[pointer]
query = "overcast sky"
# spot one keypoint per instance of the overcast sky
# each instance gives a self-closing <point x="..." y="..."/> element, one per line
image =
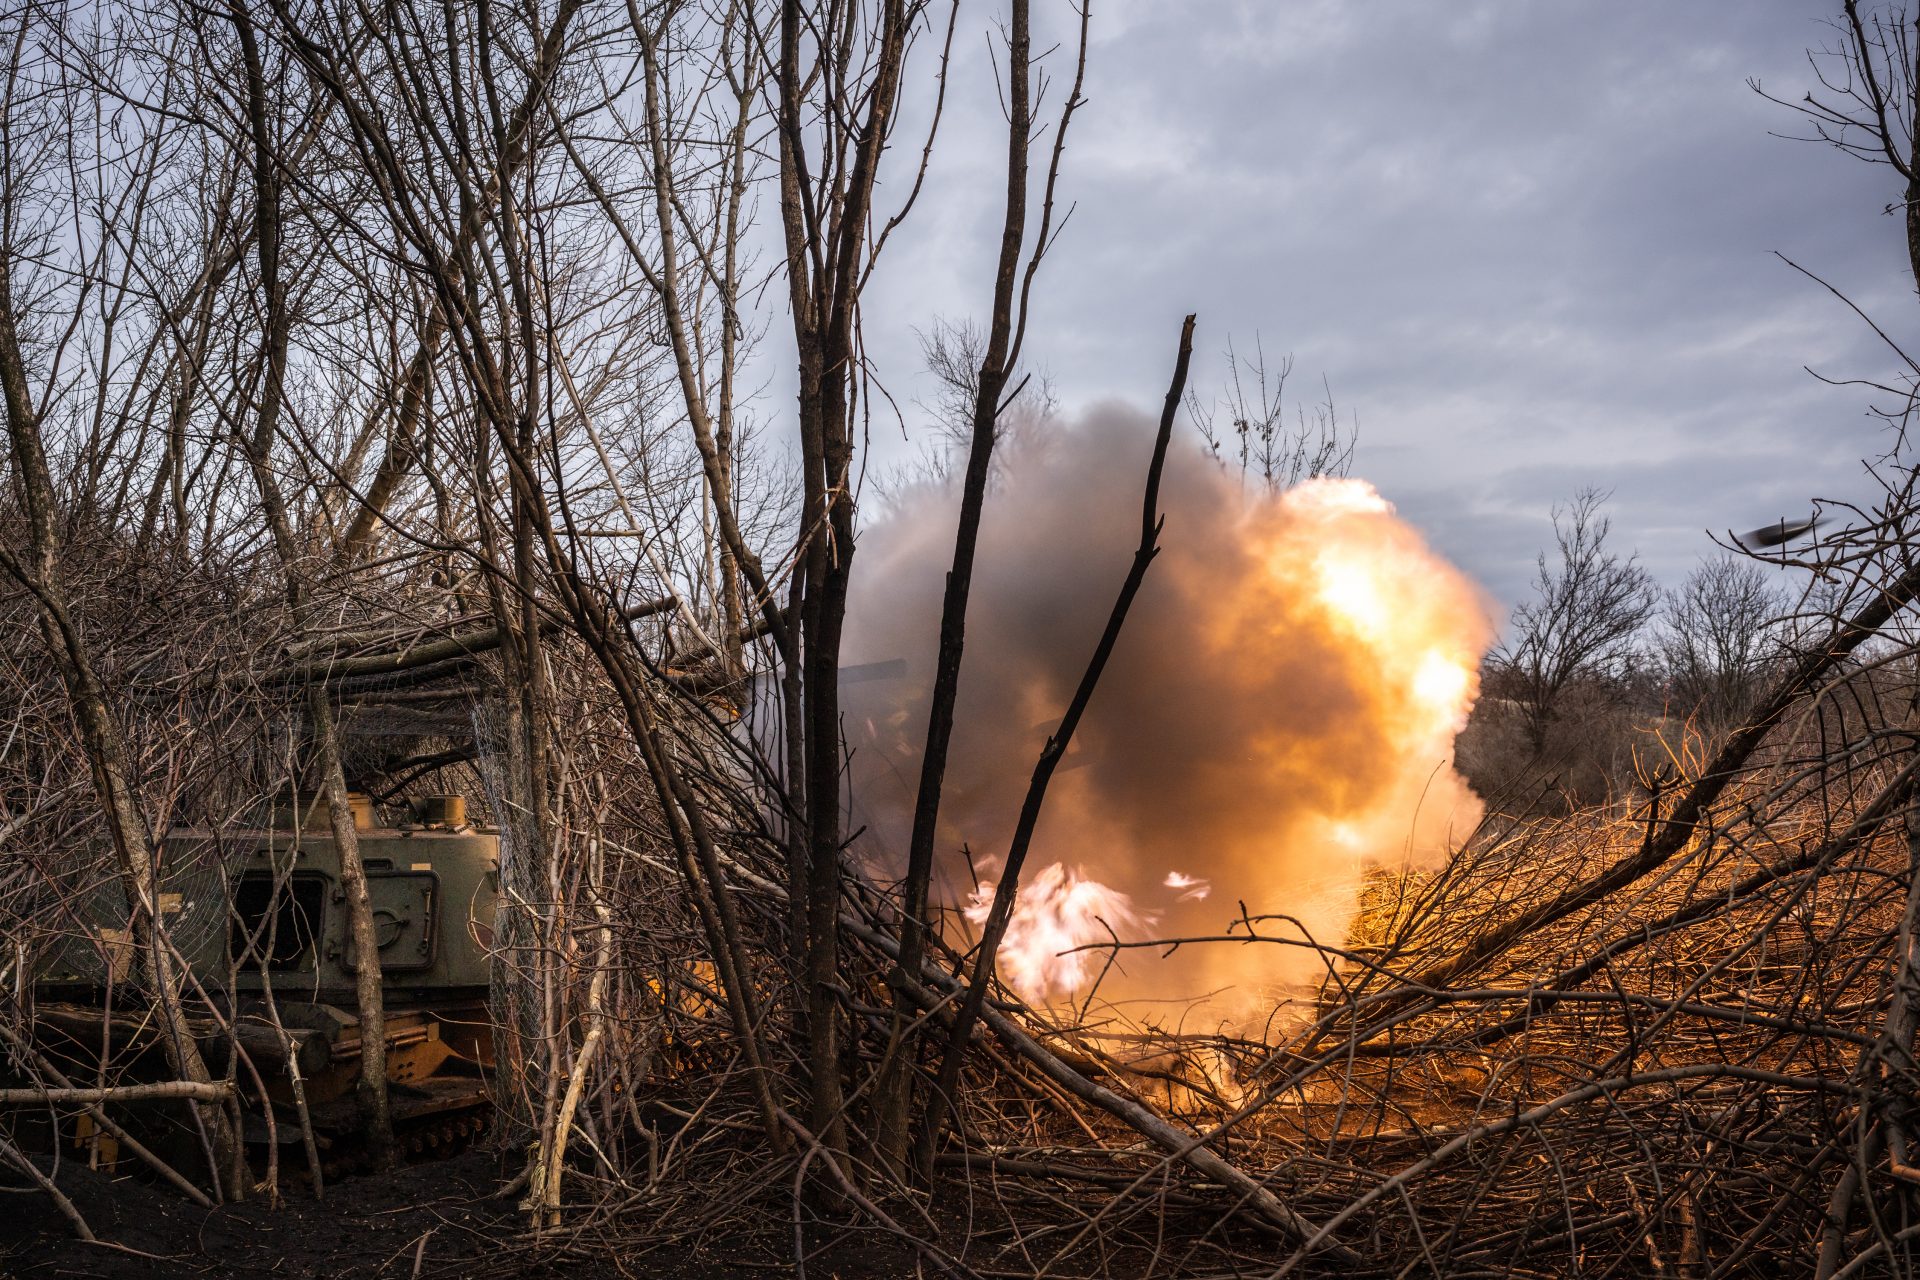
<point x="1530" y="245"/>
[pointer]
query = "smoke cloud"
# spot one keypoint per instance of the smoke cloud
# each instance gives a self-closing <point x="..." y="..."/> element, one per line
<point x="1279" y="713"/>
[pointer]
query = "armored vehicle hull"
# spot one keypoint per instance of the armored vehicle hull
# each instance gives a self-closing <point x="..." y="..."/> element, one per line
<point x="260" y="916"/>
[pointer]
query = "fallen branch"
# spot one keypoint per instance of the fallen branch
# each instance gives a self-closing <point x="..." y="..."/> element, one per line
<point x="215" y="1091"/>
<point x="67" y="1210"/>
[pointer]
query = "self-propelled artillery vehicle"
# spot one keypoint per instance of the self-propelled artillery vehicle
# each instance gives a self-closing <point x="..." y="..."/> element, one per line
<point x="259" y="914"/>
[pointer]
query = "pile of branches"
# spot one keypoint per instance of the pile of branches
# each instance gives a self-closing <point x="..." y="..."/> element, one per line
<point x="392" y="376"/>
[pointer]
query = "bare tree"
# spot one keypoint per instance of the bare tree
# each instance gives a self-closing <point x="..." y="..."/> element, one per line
<point x="955" y="351"/>
<point x="1718" y="636"/>
<point x="1274" y="441"/>
<point x="1867" y="102"/>
<point x="1584" y="623"/>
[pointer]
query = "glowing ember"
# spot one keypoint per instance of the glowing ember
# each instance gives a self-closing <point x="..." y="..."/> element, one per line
<point x="1196" y="889"/>
<point x="1278" y="716"/>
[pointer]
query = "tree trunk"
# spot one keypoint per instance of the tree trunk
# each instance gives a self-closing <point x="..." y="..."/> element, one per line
<point x="369" y="995"/>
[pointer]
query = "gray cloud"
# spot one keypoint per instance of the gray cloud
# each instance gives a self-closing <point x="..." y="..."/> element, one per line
<point x="1530" y="245"/>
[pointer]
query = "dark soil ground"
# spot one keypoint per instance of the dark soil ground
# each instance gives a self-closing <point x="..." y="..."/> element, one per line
<point x="436" y="1219"/>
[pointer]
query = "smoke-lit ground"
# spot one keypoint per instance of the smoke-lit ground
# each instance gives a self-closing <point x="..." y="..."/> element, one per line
<point x="1279" y="713"/>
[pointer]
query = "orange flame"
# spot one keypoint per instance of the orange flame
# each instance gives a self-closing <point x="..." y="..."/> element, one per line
<point x="1057" y="911"/>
